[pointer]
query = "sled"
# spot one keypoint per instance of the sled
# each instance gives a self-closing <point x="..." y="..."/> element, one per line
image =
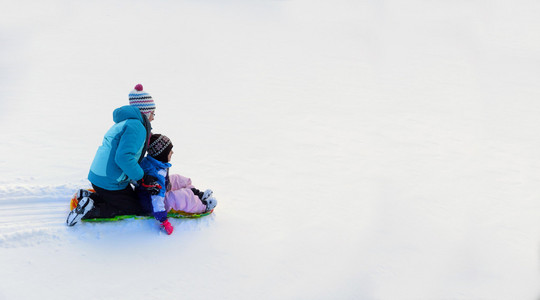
<point x="175" y="214"/>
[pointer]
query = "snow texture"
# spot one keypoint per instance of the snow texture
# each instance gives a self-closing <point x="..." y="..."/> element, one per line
<point x="358" y="149"/>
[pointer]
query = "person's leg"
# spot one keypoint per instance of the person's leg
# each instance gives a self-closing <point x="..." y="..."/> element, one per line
<point x="184" y="200"/>
<point x="113" y="203"/>
<point x="179" y="182"/>
<point x="197" y="192"/>
<point x="145" y="199"/>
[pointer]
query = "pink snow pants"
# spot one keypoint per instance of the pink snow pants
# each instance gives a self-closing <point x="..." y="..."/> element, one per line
<point x="180" y="197"/>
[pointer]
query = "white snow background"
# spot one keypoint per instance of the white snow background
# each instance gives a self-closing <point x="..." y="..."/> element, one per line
<point x="358" y="149"/>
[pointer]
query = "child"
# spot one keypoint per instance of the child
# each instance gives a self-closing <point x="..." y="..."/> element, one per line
<point x="159" y="193"/>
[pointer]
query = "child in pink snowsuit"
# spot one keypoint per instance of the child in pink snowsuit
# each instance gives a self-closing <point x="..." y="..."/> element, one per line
<point x="159" y="193"/>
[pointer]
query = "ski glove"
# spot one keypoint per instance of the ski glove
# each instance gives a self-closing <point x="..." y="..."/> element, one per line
<point x="150" y="183"/>
<point x="166" y="225"/>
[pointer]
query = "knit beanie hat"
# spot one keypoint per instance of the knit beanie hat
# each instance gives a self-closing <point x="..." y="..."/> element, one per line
<point x="142" y="100"/>
<point x="159" y="147"/>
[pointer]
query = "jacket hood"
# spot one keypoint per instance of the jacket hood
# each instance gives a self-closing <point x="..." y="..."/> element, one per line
<point x="127" y="112"/>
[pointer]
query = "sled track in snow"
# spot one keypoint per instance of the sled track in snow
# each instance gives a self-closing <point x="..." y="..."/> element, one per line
<point x="35" y="215"/>
<point x="32" y="214"/>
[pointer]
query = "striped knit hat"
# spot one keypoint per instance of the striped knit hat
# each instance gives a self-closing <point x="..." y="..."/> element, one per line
<point x="142" y="100"/>
<point x="159" y="147"/>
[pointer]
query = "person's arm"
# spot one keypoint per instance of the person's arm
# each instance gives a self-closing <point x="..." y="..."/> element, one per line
<point x="158" y="202"/>
<point x="129" y="149"/>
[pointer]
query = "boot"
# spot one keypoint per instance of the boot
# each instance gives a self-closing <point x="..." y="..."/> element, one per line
<point x="83" y="207"/>
<point x="207" y="194"/>
<point x="210" y="203"/>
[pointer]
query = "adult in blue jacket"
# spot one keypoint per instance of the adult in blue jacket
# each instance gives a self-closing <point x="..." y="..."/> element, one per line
<point x="116" y="163"/>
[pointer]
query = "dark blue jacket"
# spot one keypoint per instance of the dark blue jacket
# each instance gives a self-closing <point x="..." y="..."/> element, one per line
<point x="155" y="203"/>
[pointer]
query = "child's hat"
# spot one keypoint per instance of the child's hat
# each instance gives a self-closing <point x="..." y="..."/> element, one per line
<point x="160" y="146"/>
<point x="142" y="100"/>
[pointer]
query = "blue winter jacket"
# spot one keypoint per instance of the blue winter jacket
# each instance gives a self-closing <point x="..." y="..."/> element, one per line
<point x="117" y="159"/>
<point x="159" y="170"/>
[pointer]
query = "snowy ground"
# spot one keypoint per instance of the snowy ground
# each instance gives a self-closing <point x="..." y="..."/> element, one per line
<point x="358" y="149"/>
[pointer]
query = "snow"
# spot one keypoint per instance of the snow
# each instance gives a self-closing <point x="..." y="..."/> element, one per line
<point x="358" y="149"/>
